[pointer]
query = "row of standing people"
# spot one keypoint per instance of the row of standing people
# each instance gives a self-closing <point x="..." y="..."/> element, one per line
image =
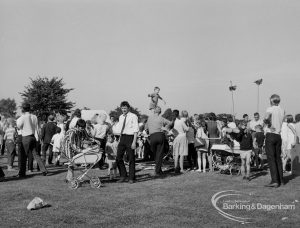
<point x="31" y="140"/>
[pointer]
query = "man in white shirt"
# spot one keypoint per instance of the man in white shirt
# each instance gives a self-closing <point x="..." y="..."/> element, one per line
<point x="274" y="118"/>
<point x="28" y="123"/>
<point x="231" y="124"/>
<point x="256" y="121"/>
<point x="128" y="129"/>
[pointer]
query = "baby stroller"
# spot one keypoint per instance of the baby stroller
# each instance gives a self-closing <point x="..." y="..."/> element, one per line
<point x="169" y="148"/>
<point x="81" y="150"/>
<point x="225" y="158"/>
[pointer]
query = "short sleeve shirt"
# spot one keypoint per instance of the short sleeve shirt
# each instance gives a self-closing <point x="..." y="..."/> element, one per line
<point x="277" y="115"/>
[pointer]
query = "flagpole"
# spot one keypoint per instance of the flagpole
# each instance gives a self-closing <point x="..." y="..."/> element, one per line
<point x="258" y="83"/>
<point x="258" y="98"/>
<point x="232" y="100"/>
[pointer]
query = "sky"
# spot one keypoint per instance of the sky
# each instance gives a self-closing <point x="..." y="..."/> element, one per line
<point x="115" y="50"/>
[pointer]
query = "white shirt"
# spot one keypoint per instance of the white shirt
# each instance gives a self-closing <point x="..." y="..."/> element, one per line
<point x="277" y="115"/>
<point x="231" y="125"/>
<point x="28" y="123"/>
<point x="62" y="127"/>
<point x="297" y="128"/>
<point x="56" y="141"/>
<point x="131" y="125"/>
<point x="254" y="123"/>
<point x="180" y="126"/>
<point x="287" y="135"/>
<point x="73" y="122"/>
<point x="114" y="129"/>
<point x="100" y="130"/>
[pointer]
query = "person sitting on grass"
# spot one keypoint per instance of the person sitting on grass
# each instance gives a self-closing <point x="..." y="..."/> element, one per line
<point x="243" y="136"/>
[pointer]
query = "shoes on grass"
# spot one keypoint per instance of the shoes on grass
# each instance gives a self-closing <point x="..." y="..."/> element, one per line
<point x="131" y="181"/>
<point x="272" y="185"/>
<point x="122" y="180"/>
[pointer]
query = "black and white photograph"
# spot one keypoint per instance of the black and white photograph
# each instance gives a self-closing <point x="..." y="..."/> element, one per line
<point x="149" y="113"/>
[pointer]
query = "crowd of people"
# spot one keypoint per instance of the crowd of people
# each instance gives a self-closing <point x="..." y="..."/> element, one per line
<point x="122" y="139"/>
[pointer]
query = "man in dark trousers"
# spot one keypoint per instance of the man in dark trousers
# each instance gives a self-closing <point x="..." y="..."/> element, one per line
<point x="274" y="117"/>
<point x="128" y="128"/>
<point x="28" y="124"/>
<point x="156" y="125"/>
<point x="48" y="131"/>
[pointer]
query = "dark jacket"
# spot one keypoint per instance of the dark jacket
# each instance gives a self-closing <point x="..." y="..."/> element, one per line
<point x="48" y="130"/>
<point x="245" y="140"/>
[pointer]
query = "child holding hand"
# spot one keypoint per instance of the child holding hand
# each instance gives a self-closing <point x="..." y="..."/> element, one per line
<point x="111" y="152"/>
<point x="56" y="142"/>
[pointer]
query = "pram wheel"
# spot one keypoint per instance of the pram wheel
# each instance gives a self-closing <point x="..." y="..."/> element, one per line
<point x="95" y="182"/>
<point x="73" y="184"/>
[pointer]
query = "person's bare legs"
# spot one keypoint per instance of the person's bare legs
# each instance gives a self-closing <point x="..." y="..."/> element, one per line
<point x="181" y="162"/>
<point x="199" y="160"/>
<point x="176" y="162"/>
<point x="243" y="167"/>
<point x="284" y="159"/>
<point x="248" y="157"/>
<point x="204" y="162"/>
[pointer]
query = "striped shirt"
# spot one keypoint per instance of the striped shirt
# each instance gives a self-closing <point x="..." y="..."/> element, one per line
<point x="10" y="134"/>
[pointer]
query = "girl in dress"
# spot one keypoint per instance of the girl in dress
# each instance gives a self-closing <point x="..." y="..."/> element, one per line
<point x="288" y="136"/>
<point x="201" y="145"/>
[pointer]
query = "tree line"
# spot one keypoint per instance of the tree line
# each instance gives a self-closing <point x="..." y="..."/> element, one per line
<point x="49" y="95"/>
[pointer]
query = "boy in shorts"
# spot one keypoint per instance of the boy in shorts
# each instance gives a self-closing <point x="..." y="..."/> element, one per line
<point x="258" y="143"/>
<point x="154" y="98"/>
<point x="244" y="137"/>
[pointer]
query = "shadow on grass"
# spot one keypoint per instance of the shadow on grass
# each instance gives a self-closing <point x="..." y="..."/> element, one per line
<point x="258" y="174"/>
<point x="57" y="170"/>
<point x="288" y="178"/>
<point x="142" y="177"/>
<point x="16" y="178"/>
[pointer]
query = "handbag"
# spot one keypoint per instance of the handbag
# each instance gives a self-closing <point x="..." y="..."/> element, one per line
<point x="199" y="141"/>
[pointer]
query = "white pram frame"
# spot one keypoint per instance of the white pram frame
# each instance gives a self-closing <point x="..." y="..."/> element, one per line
<point x="231" y="161"/>
<point x="215" y="164"/>
<point x="87" y="159"/>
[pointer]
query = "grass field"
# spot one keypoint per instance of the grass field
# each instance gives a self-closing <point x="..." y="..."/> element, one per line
<point x="172" y="201"/>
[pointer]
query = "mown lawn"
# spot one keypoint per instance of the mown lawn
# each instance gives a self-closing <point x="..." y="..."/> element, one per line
<point x="173" y="201"/>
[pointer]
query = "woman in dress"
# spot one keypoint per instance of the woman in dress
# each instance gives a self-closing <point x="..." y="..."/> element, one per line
<point x="180" y="144"/>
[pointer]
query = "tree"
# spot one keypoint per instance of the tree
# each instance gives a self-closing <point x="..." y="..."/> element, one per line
<point x="118" y="111"/>
<point x="47" y="96"/>
<point x="8" y="107"/>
